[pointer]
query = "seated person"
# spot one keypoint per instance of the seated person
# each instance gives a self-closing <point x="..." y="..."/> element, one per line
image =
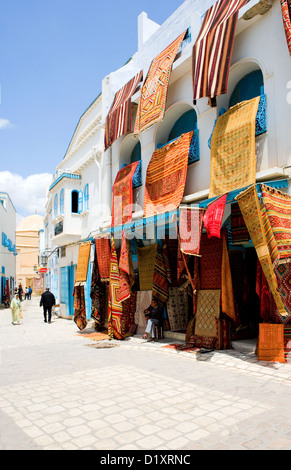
<point x="154" y="315"/>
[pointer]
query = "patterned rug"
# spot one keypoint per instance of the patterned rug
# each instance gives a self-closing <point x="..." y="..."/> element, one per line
<point x="97" y="294"/>
<point x="190" y="229"/>
<point x="233" y="151"/>
<point x="122" y="198"/>
<point x="283" y="275"/>
<point x="118" y="121"/>
<point x="210" y="263"/>
<point x="286" y="16"/>
<point x="250" y="208"/>
<point x="213" y="217"/>
<point x="160" y="278"/>
<point x="208" y="310"/>
<point x="177" y="308"/>
<point x="239" y="231"/>
<point x="126" y="274"/>
<point x="115" y="319"/>
<point x="103" y="251"/>
<point x="278" y="211"/>
<point x="271" y="343"/>
<point x="80" y="317"/>
<point x="227" y="293"/>
<point x="152" y="103"/>
<point x="83" y="262"/>
<point x="212" y="51"/>
<point x="146" y="265"/>
<point x="166" y="176"/>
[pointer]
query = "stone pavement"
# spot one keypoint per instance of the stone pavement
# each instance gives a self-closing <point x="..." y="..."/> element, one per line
<point x="60" y="391"/>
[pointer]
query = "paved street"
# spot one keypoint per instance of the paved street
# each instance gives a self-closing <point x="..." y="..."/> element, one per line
<point x="62" y="391"/>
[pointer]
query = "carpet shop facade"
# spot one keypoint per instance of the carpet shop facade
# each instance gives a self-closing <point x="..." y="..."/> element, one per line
<point x="176" y="184"/>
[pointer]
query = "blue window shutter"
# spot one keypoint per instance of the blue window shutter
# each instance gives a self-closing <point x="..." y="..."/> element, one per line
<point x="86" y="198"/>
<point x="80" y="202"/>
<point x="62" y="202"/>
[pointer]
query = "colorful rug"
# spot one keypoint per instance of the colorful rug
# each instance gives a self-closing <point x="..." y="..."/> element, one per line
<point x="122" y="198"/>
<point x="97" y="294"/>
<point x="271" y="343"/>
<point x="213" y="48"/>
<point x="126" y="274"/>
<point x="250" y="208"/>
<point x="83" y="262"/>
<point x="287" y="344"/>
<point x="166" y="176"/>
<point x="233" y="150"/>
<point x="152" y="103"/>
<point x="213" y="217"/>
<point x="80" y="307"/>
<point x="160" y="278"/>
<point x="210" y="262"/>
<point x="227" y="293"/>
<point x="263" y="293"/>
<point x="118" y="121"/>
<point x="208" y="310"/>
<point x="239" y="231"/>
<point x="278" y="209"/>
<point x="167" y="261"/>
<point x="177" y="308"/>
<point x="286" y="16"/>
<point x="190" y="229"/>
<point x="115" y="319"/>
<point x="103" y="251"/>
<point x="128" y="312"/>
<point x="146" y="264"/>
<point x="283" y="275"/>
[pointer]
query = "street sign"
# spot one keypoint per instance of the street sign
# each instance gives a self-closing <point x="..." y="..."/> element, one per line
<point x="43" y="270"/>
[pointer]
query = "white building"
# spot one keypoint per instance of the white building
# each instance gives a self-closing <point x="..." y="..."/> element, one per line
<point x="80" y="197"/>
<point x="8" y="251"/>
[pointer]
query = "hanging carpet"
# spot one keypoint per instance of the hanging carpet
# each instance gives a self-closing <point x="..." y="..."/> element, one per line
<point x="122" y="198"/>
<point x="213" y="48"/>
<point x="190" y="229"/>
<point x="118" y="121"/>
<point x="115" y="319"/>
<point x="177" y="308"/>
<point x="160" y="278"/>
<point x="152" y="103"/>
<point x="208" y="310"/>
<point x="213" y="217"/>
<point x="166" y="176"/>
<point x="210" y="262"/>
<point x="80" y="307"/>
<point x="239" y="231"/>
<point x="233" y="150"/>
<point x="83" y="262"/>
<point x="286" y="16"/>
<point x="103" y="251"/>
<point x="146" y="264"/>
<point x="278" y="211"/>
<point x="250" y="208"/>
<point x="126" y="274"/>
<point x="97" y="294"/>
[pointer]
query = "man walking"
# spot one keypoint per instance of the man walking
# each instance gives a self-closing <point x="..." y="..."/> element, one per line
<point x="47" y="301"/>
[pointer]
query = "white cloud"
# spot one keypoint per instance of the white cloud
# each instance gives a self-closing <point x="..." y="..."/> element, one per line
<point x="27" y="194"/>
<point x="5" y="124"/>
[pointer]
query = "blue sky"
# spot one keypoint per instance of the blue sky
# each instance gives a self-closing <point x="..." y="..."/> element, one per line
<point x="53" y="57"/>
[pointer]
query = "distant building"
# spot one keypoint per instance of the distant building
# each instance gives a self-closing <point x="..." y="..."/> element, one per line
<point x="8" y="246"/>
<point x="27" y="243"/>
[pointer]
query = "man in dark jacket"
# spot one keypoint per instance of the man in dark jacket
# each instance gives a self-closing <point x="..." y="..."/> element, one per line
<point x="47" y="301"/>
<point x="154" y="317"/>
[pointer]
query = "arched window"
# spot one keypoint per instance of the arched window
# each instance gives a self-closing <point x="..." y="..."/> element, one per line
<point x="186" y="123"/>
<point x="80" y="202"/>
<point x="75" y="201"/>
<point x="248" y="87"/>
<point x="56" y="206"/>
<point x="136" y="153"/>
<point x="62" y="207"/>
<point x="86" y="198"/>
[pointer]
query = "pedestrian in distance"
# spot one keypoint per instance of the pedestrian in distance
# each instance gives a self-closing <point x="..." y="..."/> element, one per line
<point x="29" y="293"/>
<point x="47" y="301"/>
<point x="16" y="310"/>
